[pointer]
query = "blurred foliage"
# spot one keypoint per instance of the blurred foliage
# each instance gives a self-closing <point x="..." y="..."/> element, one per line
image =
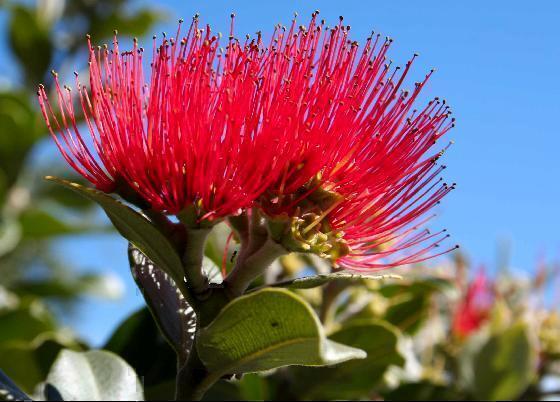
<point x="48" y="34"/>
<point x="36" y="285"/>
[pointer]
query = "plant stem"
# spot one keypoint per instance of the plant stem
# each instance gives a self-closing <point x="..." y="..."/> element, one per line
<point x="192" y="260"/>
<point x="190" y="375"/>
<point x="248" y="269"/>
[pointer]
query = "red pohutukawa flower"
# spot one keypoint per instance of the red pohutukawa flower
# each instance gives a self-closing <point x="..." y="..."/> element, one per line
<point x="474" y="310"/>
<point x="307" y="127"/>
<point x="351" y="131"/>
<point x="183" y="139"/>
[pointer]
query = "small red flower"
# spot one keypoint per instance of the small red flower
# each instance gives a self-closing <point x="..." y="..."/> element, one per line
<point x="474" y="310"/>
<point x="183" y="139"/>
<point x="347" y="127"/>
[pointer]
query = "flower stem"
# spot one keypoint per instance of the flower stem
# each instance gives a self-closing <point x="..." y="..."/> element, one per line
<point x="192" y="260"/>
<point x="190" y="375"/>
<point x="248" y="269"/>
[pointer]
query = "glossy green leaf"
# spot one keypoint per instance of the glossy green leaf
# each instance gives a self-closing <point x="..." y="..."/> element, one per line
<point x="354" y="379"/>
<point x="268" y="329"/>
<point x="505" y="366"/>
<point x="96" y="376"/>
<point x="135" y="228"/>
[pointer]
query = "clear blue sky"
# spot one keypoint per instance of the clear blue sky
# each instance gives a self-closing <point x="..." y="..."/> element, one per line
<point x="498" y="65"/>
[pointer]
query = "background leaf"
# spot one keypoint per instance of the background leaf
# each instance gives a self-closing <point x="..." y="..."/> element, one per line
<point x="505" y="366"/>
<point x="95" y="375"/>
<point x="354" y="379"/>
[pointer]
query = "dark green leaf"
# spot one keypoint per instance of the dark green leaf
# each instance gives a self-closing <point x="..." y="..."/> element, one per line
<point x="253" y="387"/>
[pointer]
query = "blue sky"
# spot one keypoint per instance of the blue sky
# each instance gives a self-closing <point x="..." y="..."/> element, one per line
<point x="497" y="65"/>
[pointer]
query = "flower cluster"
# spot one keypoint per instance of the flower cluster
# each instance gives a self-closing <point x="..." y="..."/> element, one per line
<point x="308" y="127"/>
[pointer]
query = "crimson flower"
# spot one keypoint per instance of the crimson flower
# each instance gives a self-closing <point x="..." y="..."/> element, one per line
<point x="361" y="173"/>
<point x="182" y="140"/>
<point x="474" y="310"/>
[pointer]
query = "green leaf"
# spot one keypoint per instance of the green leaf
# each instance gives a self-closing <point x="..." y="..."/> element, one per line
<point x="95" y="375"/>
<point x="409" y="314"/>
<point x="354" y="379"/>
<point x="253" y="387"/>
<point x="505" y="366"/>
<point x="409" y="303"/>
<point x="135" y="228"/>
<point x="308" y="282"/>
<point x="268" y="329"/>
